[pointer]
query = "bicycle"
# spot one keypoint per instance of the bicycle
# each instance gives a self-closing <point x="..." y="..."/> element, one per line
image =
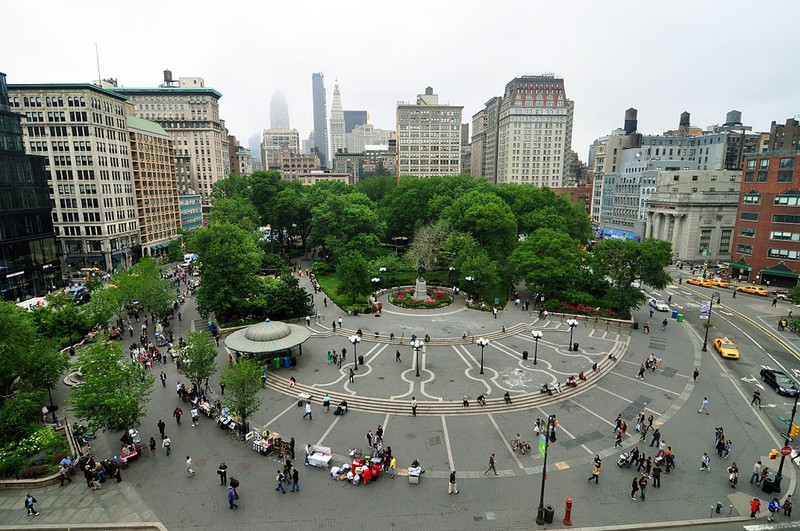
<point x="520" y="445"/>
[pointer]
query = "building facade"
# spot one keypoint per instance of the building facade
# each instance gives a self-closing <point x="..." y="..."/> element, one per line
<point x="353" y="119"/>
<point x="367" y="135"/>
<point x="278" y="112"/>
<point x="190" y="114"/>
<point x="337" y="121"/>
<point x="320" y="119"/>
<point x="191" y="209"/>
<point x="274" y="141"/>
<point x="784" y="137"/>
<point x="155" y="184"/>
<point x="767" y="233"/>
<point x="82" y="131"/>
<point x="314" y="177"/>
<point x="293" y="163"/>
<point x="29" y="266"/>
<point x="428" y="137"/>
<point x="534" y="132"/>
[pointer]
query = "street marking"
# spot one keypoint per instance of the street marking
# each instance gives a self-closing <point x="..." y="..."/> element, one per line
<point x="506" y="444"/>
<point x="598" y="386"/>
<point x="322" y="437"/>
<point x="568" y="434"/>
<point x="282" y="413"/>
<point x="589" y="411"/>
<point x="765" y="527"/>
<point x="385" y="422"/>
<point x="447" y="443"/>
<point x="645" y="383"/>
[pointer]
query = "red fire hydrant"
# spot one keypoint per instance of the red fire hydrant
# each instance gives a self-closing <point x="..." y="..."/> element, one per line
<point x="568" y="512"/>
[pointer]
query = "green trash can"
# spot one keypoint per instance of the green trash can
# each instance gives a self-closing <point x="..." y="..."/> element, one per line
<point x="680" y="317"/>
<point x="276" y="363"/>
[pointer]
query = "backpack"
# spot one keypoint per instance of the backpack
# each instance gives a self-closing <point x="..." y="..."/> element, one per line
<point x="29" y="501"/>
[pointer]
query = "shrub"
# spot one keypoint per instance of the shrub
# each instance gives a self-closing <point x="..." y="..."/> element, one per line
<point x="35" y="471"/>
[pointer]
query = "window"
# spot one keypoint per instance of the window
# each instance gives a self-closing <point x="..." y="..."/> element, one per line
<point x="705" y="239"/>
<point x="789" y="236"/>
<point x="749" y="216"/>
<point x="790" y="198"/>
<point x="751" y="164"/>
<point x="762" y="177"/>
<point x="763" y="164"/>
<point x="752" y="197"/>
<point x="694" y="177"/>
<point x="783" y="253"/>
<point x="747" y="233"/>
<point x="785" y="176"/>
<point x="725" y="240"/>
<point x="744" y="249"/>
<point x="785" y="218"/>
<point x="749" y="176"/>
<point x="787" y="162"/>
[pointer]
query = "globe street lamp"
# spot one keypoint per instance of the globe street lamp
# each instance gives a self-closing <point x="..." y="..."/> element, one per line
<point x="482" y="342"/>
<point x="708" y="319"/>
<point x="376" y="281"/>
<point x="537" y="335"/>
<point x="417" y="346"/>
<point x="572" y="324"/>
<point x="383" y="272"/>
<point x="544" y="443"/>
<point x="355" y="340"/>
<point x="470" y="279"/>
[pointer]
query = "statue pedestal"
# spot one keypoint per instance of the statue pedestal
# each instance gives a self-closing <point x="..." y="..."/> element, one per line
<point x="420" y="290"/>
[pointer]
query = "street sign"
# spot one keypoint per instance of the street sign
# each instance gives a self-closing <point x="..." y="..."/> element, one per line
<point x="786" y="450"/>
<point x="785" y="421"/>
<point x="786" y="436"/>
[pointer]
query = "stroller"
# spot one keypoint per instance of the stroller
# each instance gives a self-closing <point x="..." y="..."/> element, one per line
<point x="625" y="460"/>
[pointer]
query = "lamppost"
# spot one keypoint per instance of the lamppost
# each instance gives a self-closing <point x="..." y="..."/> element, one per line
<point x="452" y="272"/>
<point x="355" y="340"/>
<point x="708" y="319"/>
<point x="572" y="324"/>
<point x="470" y="279"/>
<point x="482" y="342"/>
<point x="376" y="281"/>
<point x="52" y="409"/>
<point x="543" y="450"/>
<point x="383" y="273"/>
<point x="537" y="335"/>
<point x="776" y="483"/>
<point x="417" y="346"/>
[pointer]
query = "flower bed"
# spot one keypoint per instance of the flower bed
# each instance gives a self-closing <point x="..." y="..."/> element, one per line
<point x="583" y="309"/>
<point x="437" y="298"/>
<point x="34" y="456"/>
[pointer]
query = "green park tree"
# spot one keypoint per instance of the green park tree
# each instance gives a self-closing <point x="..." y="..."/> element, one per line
<point x="200" y="359"/>
<point x="242" y="382"/>
<point x="235" y="210"/>
<point x="114" y="393"/>
<point x="353" y="273"/>
<point x="549" y="261"/>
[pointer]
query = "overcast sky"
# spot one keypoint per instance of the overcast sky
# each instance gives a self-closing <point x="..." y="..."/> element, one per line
<point x="706" y="56"/>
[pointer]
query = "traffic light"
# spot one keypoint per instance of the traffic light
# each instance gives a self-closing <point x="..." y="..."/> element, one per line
<point x="794" y="430"/>
<point x="773" y="454"/>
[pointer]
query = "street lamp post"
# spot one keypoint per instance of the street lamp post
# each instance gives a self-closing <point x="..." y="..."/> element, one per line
<point x="376" y="281"/>
<point x="417" y="346"/>
<point x="572" y="324"/>
<point x="383" y="273"/>
<point x="540" y="511"/>
<point x="708" y="319"/>
<point x="537" y="335"/>
<point x="482" y="342"/>
<point x="52" y="409"/>
<point x="776" y="483"/>
<point x="470" y="280"/>
<point x="355" y="340"/>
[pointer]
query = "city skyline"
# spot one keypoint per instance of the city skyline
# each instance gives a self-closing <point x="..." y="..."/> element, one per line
<point x="611" y="57"/>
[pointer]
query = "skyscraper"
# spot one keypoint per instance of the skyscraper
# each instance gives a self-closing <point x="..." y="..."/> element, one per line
<point x="320" y="118"/>
<point x="278" y="112"/>
<point x="337" y="121"/>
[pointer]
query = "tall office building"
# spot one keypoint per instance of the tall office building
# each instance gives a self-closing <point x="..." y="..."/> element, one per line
<point x="83" y="132"/>
<point x="254" y="145"/>
<point x="273" y="141"/>
<point x="28" y="262"/>
<point x="337" y="121"/>
<point x="534" y="132"/>
<point x="278" y="112"/>
<point x="352" y="119"/>
<point x="189" y="112"/>
<point x="428" y="137"/>
<point x="320" y="119"/>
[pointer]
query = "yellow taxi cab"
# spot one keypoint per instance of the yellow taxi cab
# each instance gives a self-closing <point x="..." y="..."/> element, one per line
<point x="696" y="281"/>
<point x="726" y="348"/>
<point x="718" y="282"/>
<point x="756" y="290"/>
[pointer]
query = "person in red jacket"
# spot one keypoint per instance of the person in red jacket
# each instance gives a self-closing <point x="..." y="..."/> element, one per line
<point x="755" y="507"/>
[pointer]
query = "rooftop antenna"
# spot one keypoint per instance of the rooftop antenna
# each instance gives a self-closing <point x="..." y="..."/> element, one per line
<point x="97" y="58"/>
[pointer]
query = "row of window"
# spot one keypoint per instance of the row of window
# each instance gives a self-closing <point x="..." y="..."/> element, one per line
<point x="776" y="218"/>
<point x="763" y="164"/>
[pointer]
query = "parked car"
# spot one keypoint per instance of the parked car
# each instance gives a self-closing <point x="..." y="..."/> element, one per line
<point x="779" y="381"/>
<point x="718" y="282"/>
<point x="726" y="348"/>
<point x="756" y="290"/>
<point x="659" y="305"/>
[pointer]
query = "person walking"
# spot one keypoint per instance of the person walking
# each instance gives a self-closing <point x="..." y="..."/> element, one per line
<point x="308" y="410"/>
<point x="63" y="474"/>
<point x="177" y="414"/>
<point x="634" y="487"/>
<point x="166" y="443"/>
<point x="773" y="507"/>
<point x="704" y="407"/>
<point x="161" y="427"/>
<point x="231" y="498"/>
<point x="756" y="401"/>
<point x="392" y="466"/>
<point x="656" y="437"/>
<point x="352" y="375"/>
<point x="704" y="462"/>
<point x="295" y="480"/>
<point x="397" y="356"/>
<point x="340" y="323"/>
<point x="222" y="470"/>
<point x="163" y="378"/>
<point x="152" y="446"/>
<point x="695" y="374"/>
<point x="787" y="506"/>
<point x="755" y="506"/>
<point x="733" y="475"/>
<point x="595" y="474"/>
<point x="756" y="477"/>
<point x="617" y="423"/>
<point x="189" y="469"/>
<point x="491" y="466"/>
<point x="222" y="389"/>
<point x="368" y="437"/>
<point x="195" y="416"/>
<point x="656" y="474"/>
<point x="452" y="487"/>
<point x="643" y="486"/>
<point x="727" y="449"/>
<point x="664" y="324"/>
<point x="279" y="482"/>
<point x="641" y="371"/>
<point x="29" y="501"/>
<point x="618" y="440"/>
<point x="413" y="406"/>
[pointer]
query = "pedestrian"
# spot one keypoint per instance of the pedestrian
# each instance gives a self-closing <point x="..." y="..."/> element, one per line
<point x="279" y="482"/>
<point x="733" y="475"/>
<point x="774" y="302"/>
<point x="368" y="437"/>
<point x="704" y="407"/>
<point x="195" y="416"/>
<point x="291" y="447"/>
<point x="29" y="501"/>
<point x="295" y="480"/>
<point x="166" y="445"/>
<point x="352" y="375"/>
<point x="308" y="410"/>
<point x="595" y="474"/>
<point x="695" y="374"/>
<point x="326" y="403"/>
<point x="656" y="437"/>
<point x="392" y="466"/>
<point x="177" y="414"/>
<point x="651" y="311"/>
<point x="222" y="470"/>
<point x="643" y="486"/>
<point x="756" y="398"/>
<point x="755" y="505"/>
<point x="163" y="378"/>
<point x="634" y="487"/>
<point x="704" y="462"/>
<point x="189" y="469"/>
<point x="222" y="388"/>
<point x="378" y="435"/>
<point x="340" y="323"/>
<point x="161" y="427"/>
<point x="465" y="402"/>
<point x="152" y="446"/>
<point x="235" y="484"/>
<point x="756" y="477"/>
<point x="325" y="301"/>
<point x="452" y="488"/>
<point x="787" y="506"/>
<point x="397" y="356"/>
<point x="664" y="325"/>
<point x="656" y="473"/>
<point x="645" y="429"/>
<point x="618" y="440"/>
<point x="641" y="371"/>
<point x="491" y="466"/>
<point x="727" y="450"/>
<point x="333" y="324"/>
<point x="63" y="474"/>
<point x="308" y="320"/>
<point x="617" y="423"/>
<point x="231" y="497"/>
<point x="734" y="296"/>
<point x="774" y="506"/>
<point x="413" y="406"/>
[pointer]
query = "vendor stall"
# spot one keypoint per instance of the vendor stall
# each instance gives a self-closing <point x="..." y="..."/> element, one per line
<point x="320" y="456"/>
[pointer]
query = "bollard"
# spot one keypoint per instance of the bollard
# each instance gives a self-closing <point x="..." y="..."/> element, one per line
<point x="568" y="513"/>
<point x="712" y="512"/>
<point x="730" y="510"/>
<point x="718" y="508"/>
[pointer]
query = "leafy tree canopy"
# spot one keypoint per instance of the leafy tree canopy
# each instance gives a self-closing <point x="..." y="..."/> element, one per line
<point x="200" y="360"/>
<point x="353" y="272"/>
<point x="235" y="210"/>
<point x="548" y="260"/>
<point x="242" y="382"/>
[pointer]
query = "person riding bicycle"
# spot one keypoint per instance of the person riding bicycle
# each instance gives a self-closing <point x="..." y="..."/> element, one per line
<point x="518" y="442"/>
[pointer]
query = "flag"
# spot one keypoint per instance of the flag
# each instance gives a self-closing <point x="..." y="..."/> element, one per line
<point x="705" y="310"/>
<point x="543" y="445"/>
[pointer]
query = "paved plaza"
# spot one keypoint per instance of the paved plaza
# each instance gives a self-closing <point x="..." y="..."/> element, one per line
<point x="444" y="435"/>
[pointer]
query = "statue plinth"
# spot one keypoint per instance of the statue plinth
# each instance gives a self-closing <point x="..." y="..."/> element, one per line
<point x="420" y="290"/>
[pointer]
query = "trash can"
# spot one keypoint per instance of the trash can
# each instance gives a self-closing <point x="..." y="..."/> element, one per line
<point x="574" y="347"/>
<point x="680" y="318"/>
<point x="635" y="325"/>
<point x="549" y="512"/>
<point x="276" y="363"/>
<point x="524" y="354"/>
<point x="361" y="360"/>
<point x="293" y="361"/>
<point x="286" y="362"/>
<point x="674" y="314"/>
<point x="766" y="485"/>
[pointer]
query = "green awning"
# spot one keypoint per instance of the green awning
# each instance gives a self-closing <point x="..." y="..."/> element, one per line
<point x="740" y="266"/>
<point x="779" y="273"/>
